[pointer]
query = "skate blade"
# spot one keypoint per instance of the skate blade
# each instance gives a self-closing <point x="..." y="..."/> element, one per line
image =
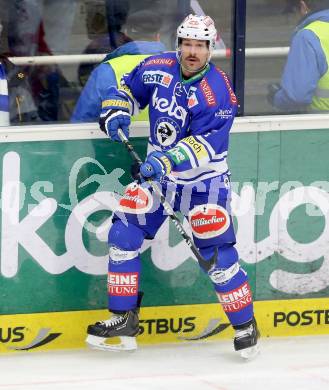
<point x="250" y="353"/>
<point x="126" y="343"/>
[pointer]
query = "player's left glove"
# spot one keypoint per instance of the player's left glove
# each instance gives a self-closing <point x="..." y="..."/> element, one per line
<point x="156" y="165"/>
<point x="115" y="115"/>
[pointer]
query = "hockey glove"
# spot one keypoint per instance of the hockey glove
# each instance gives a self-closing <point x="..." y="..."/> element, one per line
<point x="115" y="115"/>
<point x="156" y="165"/>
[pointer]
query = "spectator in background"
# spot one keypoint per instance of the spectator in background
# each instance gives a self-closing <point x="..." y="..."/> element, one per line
<point x="16" y="101"/>
<point x="305" y="80"/>
<point x="58" y="17"/>
<point x="104" y="22"/>
<point x="116" y="15"/>
<point x="28" y="24"/>
<point x="26" y="37"/>
<point x="16" y="93"/>
<point x="144" y="27"/>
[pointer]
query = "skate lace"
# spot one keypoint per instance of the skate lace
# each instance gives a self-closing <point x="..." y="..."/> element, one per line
<point x="244" y="332"/>
<point x="114" y="320"/>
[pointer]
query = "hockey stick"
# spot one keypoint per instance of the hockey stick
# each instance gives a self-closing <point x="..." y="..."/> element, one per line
<point x="206" y="265"/>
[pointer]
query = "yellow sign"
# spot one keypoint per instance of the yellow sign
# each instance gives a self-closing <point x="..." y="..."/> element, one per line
<point x="163" y="324"/>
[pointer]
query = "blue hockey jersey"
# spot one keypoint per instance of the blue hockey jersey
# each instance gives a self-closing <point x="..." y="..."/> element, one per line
<point x="190" y="118"/>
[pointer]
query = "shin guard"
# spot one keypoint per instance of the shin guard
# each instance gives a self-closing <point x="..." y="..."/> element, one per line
<point x="125" y="242"/>
<point x="231" y="285"/>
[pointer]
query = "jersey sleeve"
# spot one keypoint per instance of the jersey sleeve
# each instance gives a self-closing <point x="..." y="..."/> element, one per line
<point x="210" y="125"/>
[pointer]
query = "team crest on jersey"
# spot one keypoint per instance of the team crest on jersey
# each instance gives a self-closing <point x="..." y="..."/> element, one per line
<point x="208" y="221"/>
<point x="157" y="77"/>
<point x="166" y="132"/>
<point x="136" y="200"/>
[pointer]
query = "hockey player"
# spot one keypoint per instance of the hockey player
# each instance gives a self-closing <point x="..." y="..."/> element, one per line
<point x="191" y="110"/>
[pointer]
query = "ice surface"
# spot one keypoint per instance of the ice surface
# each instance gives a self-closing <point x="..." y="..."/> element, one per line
<point x="300" y="363"/>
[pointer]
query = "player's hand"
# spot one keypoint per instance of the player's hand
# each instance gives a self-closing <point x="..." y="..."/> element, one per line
<point x="156" y="165"/>
<point x="115" y="115"/>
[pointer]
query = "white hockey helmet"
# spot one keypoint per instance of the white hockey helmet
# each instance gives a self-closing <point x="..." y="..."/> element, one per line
<point x="197" y="27"/>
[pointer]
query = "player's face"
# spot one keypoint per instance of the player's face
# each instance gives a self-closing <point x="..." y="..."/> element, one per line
<point x="194" y="55"/>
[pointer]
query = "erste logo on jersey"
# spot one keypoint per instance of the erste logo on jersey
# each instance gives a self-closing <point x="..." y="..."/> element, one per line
<point x="136" y="200"/>
<point x="166" y="131"/>
<point x="157" y="77"/>
<point x="209" y="221"/>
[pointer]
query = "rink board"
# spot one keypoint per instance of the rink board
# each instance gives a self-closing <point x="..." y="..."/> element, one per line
<point x="165" y="324"/>
<point x="59" y="189"/>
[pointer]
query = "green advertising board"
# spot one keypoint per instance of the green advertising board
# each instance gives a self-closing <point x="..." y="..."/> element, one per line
<point x="58" y="196"/>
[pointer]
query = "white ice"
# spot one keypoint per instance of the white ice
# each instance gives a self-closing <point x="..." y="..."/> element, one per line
<point x="299" y="363"/>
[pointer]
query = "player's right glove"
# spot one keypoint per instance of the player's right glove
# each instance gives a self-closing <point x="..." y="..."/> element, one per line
<point x="115" y="115"/>
<point x="156" y="165"/>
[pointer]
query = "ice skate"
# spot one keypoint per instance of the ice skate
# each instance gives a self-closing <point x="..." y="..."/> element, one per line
<point x="115" y="334"/>
<point x="245" y="340"/>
